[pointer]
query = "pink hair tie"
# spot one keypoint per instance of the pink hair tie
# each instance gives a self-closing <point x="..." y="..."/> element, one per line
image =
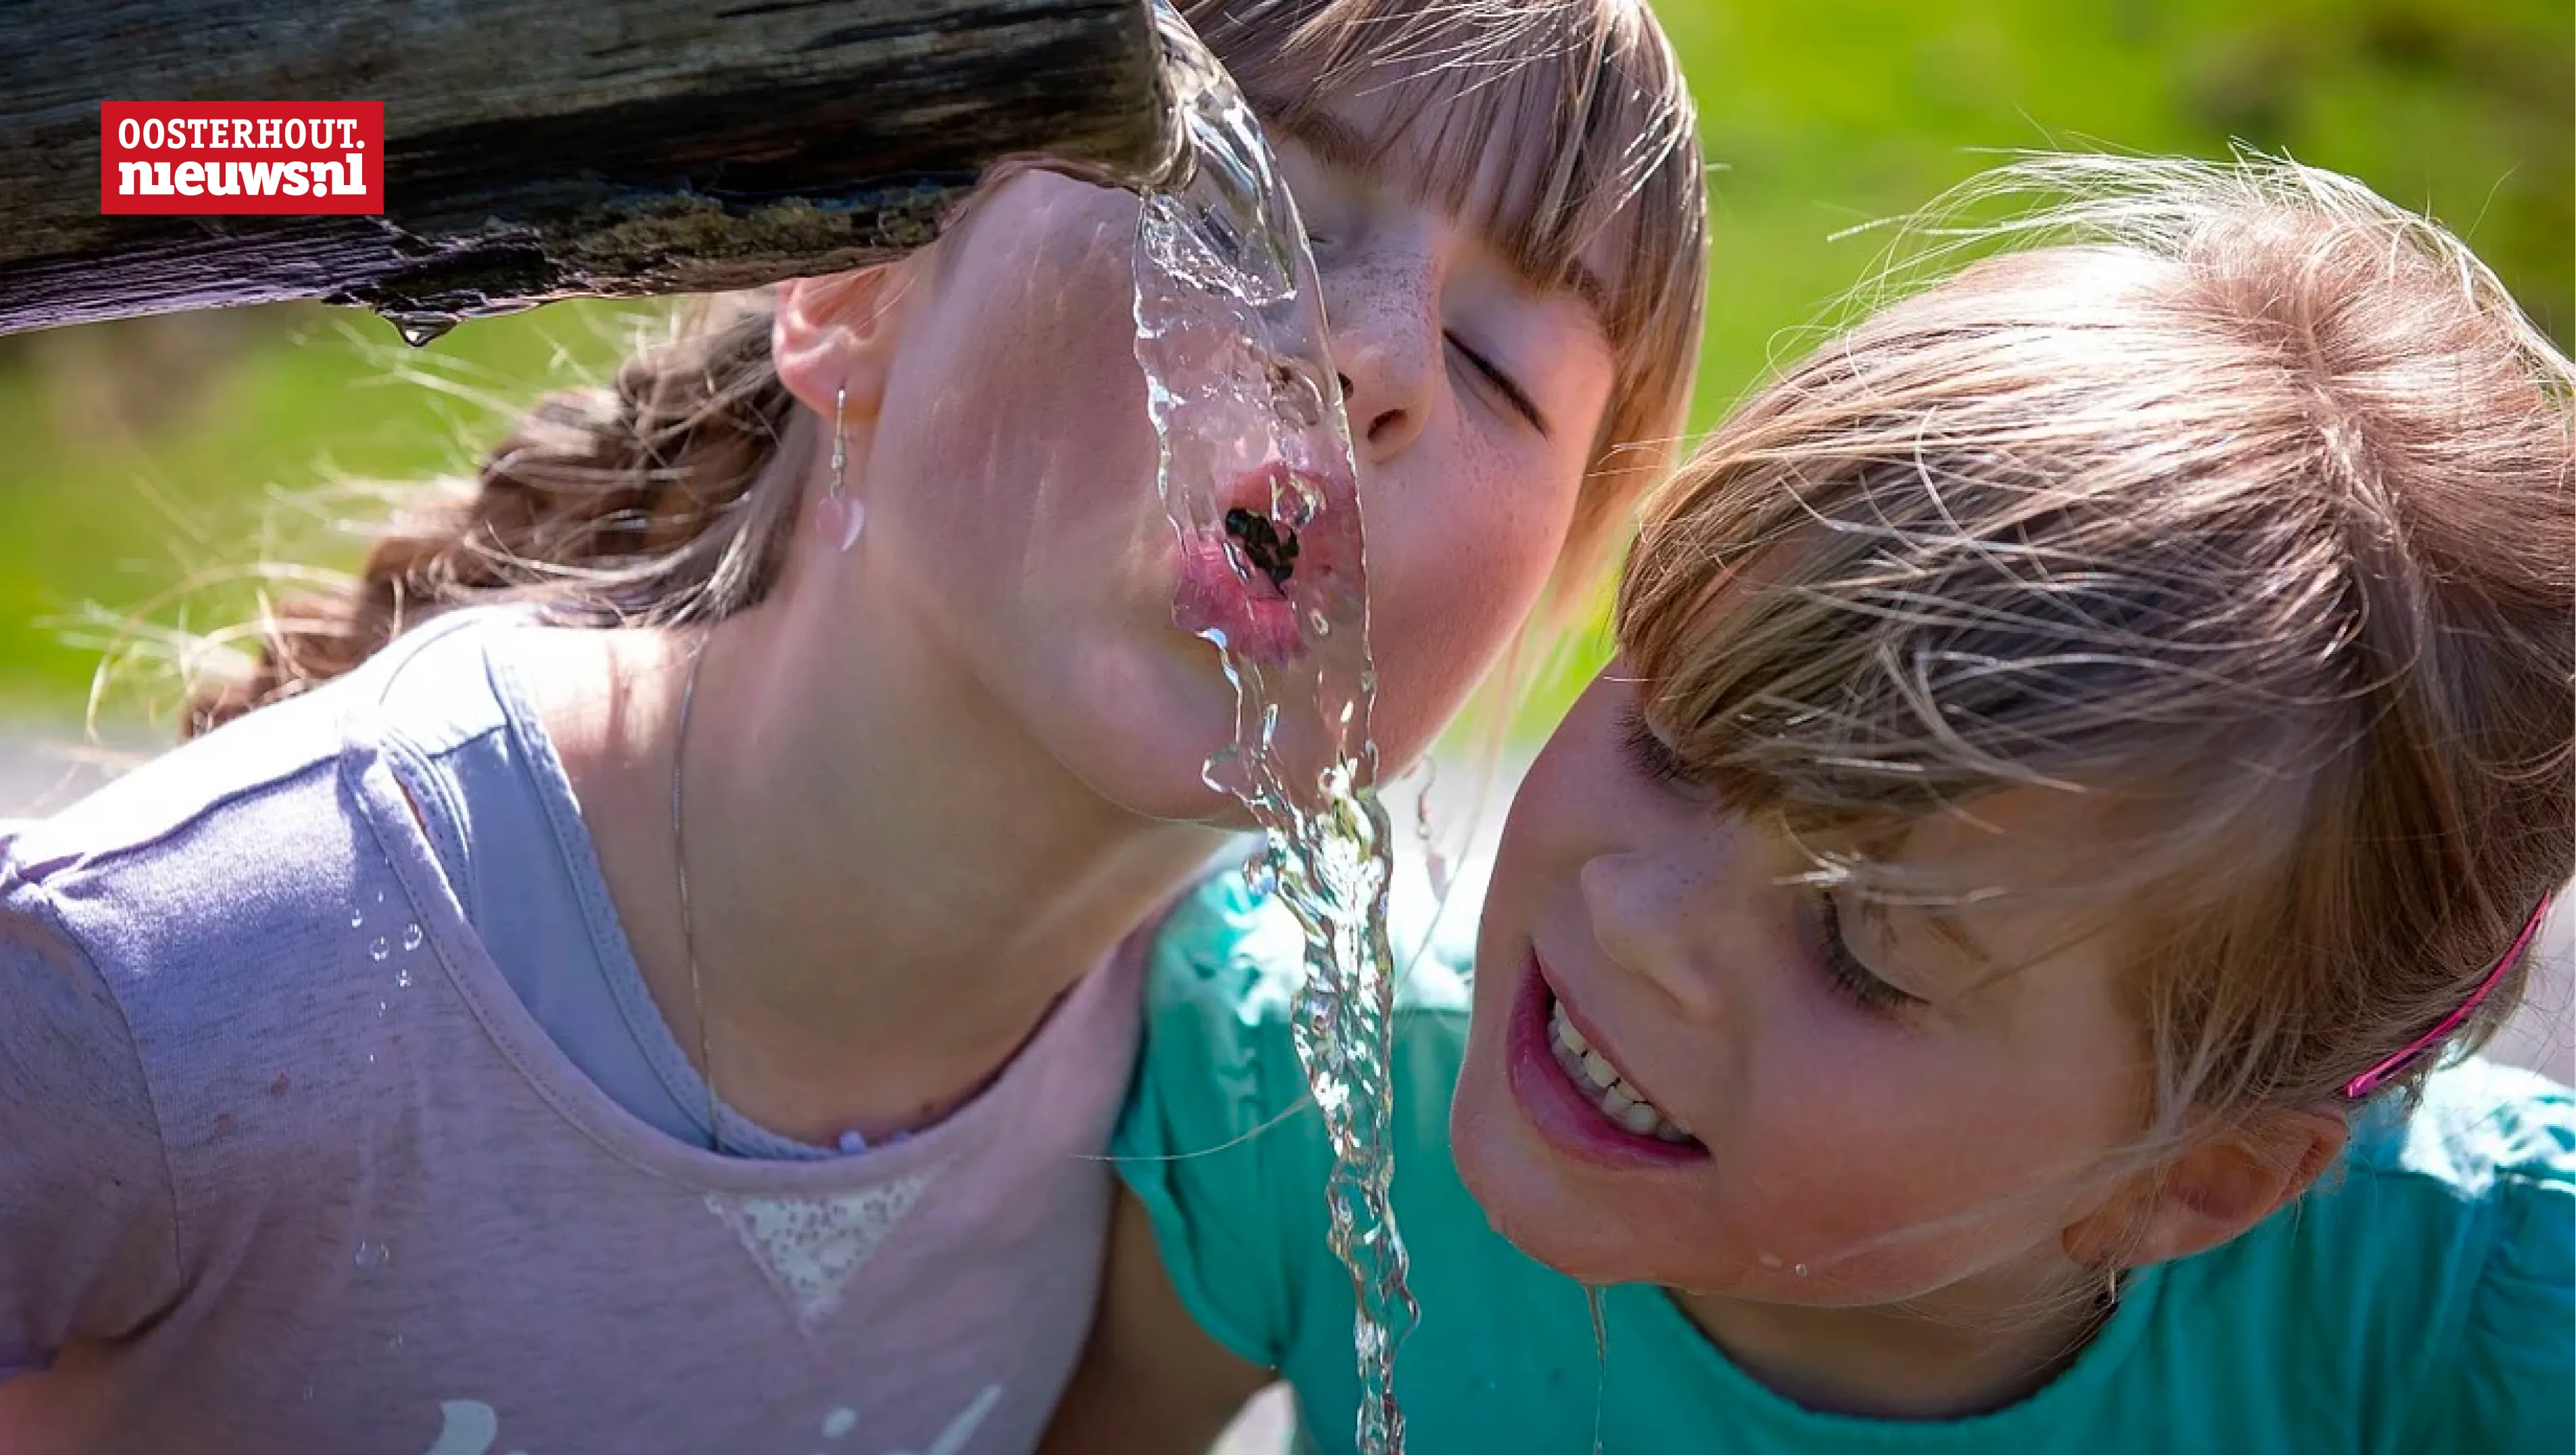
<point x="2378" y="1076"/>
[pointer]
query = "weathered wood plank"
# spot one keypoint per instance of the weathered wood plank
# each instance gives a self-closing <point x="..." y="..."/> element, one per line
<point x="537" y="150"/>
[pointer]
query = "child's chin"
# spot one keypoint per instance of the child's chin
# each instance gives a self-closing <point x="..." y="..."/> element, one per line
<point x="1515" y="1185"/>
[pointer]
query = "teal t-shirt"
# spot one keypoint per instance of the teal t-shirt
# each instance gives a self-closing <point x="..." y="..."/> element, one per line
<point x="2419" y="1300"/>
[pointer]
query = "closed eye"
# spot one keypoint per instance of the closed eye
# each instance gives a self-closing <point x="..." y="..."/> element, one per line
<point x="1653" y="759"/>
<point x="1846" y="976"/>
<point x="1503" y="384"/>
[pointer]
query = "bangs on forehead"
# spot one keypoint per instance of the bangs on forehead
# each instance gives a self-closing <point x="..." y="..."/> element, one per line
<point x="1557" y="129"/>
<point x="1560" y="130"/>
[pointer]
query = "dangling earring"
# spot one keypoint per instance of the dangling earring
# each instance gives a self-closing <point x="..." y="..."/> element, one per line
<point x="840" y="517"/>
<point x="2111" y="1286"/>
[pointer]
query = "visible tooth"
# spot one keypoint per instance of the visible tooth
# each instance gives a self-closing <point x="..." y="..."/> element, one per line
<point x="1573" y="1037"/>
<point x="1599" y="1069"/>
<point x="1616" y="1104"/>
<point x="1639" y="1118"/>
<point x="1667" y="1132"/>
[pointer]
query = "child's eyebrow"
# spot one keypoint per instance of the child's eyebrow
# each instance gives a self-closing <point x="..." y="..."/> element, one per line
<point x="1346" y="148"/>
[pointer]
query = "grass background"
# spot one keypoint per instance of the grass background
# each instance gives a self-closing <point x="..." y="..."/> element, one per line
<point x="140" y="462"/>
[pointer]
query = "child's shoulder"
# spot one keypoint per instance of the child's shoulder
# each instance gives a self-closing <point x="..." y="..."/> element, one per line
<point x="2479" y="1125"/>
<point x="263" y="817"/>
<point x="1224" y="973"/>
<point x="216" y="882"/>
<point x="2434" y="1203"/>
<point x="2426" y="1287"/>
<point x="163" y="806"/>
<point x="1222" y="1142"/>
<point x="1228" y="950"/>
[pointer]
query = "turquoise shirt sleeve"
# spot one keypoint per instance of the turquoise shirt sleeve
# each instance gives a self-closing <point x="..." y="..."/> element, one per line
<point x="1219" y="1141"/>
<point x="2509" y="1383"/>
<point x="1223" y="1145"/>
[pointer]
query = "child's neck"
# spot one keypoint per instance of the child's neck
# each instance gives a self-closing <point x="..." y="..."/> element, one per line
<point x="888" y="889"/>
<point x="1965" y="1352"/>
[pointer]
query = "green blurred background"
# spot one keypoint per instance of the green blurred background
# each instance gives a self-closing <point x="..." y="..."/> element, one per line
<point x="148" y="462"/>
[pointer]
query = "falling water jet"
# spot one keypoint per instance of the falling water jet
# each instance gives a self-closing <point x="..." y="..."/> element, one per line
<point x="1230" y="333"/>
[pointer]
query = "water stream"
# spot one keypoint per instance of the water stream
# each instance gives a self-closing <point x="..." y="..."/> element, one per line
<point x="1258" y="481"/>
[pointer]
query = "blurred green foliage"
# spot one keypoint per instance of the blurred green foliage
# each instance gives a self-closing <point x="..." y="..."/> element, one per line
<point x="152" y="456"/>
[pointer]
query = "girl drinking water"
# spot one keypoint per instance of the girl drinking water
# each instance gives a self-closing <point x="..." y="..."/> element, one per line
<point x="2085" y="746"/>
<point x="647" y="970"/>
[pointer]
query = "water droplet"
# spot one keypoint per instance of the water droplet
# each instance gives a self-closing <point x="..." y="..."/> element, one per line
<point x="411" y="937"/>
<point x="394" y="1344"/>
<point x="373" y="1255"/>
<point x="379" y="949"/>
<point x="1318" y="623"/>
<point x="841" y="1422"/>
<point x="382" y="1007"/>
<point x="1768" y="1260"/>
<point x="421" y="329"/>
<point x="371" y="1058"/>
<point x="1800" y="1270"/>
<point x="403" y="978"/>
<point x="357" y="918"/>
<point x="308" y="1393"/>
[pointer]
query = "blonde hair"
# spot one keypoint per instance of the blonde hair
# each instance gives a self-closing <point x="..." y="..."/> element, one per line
<point x="2237" y="500"/>
<point x="665" y="498"/>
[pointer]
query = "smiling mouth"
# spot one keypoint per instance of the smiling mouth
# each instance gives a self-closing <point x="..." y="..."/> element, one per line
<point x="1600" y="1082"/>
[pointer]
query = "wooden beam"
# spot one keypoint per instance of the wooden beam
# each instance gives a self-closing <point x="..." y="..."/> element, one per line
<point x="540" y="149"/>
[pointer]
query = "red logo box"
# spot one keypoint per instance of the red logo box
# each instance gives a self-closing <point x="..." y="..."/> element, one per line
<point x="241" y="158"/>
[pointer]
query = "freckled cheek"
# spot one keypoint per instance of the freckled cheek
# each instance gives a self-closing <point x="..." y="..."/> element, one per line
<point x="1877" y="1150"/>
<point x="1446" y="597"/>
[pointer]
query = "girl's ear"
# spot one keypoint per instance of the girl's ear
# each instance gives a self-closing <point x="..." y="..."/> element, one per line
<point x="2213" y="1192"/>
<point x="840" y="333"/>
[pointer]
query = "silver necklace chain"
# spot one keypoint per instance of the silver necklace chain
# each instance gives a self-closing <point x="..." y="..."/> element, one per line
<point x="688" y="929"/>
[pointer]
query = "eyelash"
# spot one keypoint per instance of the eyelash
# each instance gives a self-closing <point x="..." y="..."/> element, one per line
<point x="1647" y="753"/>
<point x="1502" y="382"/>
<point x="1846" y="976"/>
<point x="1513" y="394"/>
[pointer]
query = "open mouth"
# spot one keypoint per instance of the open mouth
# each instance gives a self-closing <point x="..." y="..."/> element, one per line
<point x="1571" y="1088"/>
<point x="1265" y="546"/>
<point x="1272" y="566"/>
<point x="1617" y="1097"/>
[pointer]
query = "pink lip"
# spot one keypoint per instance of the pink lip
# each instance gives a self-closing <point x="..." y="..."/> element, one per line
<point x="1219" y="593"/>
<point x="1218" y="590"/>
<point x="1554" y="1106"/>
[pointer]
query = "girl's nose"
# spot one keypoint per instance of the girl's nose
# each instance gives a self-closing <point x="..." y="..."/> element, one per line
<point x="1649" y="914"/>
<point x="1386" y="345"/>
